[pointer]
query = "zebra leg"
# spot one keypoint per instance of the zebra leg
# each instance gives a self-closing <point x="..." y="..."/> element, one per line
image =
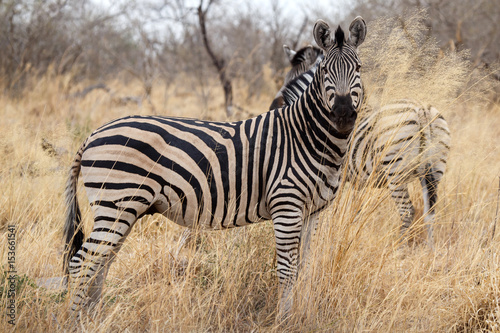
<point x="401" y="197"/>
<point x="96" y="285"/>
<point x="429" y="184"/>
<point x="89" y="266"/>
<point x="287" y="231"/>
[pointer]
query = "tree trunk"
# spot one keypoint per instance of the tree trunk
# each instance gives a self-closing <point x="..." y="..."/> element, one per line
<point x="219" y="62"/>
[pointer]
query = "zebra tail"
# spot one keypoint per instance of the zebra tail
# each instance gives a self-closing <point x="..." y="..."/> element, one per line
<point x="73" y="234"/>
<point x="435" y="141"/>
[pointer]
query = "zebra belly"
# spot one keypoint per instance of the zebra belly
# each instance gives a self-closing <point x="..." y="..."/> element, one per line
<point x="192" y="216"/>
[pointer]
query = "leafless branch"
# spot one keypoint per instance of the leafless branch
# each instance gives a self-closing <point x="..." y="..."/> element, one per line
<point x="218" y="61"/>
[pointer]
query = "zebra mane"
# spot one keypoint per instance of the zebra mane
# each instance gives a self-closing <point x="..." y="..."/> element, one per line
<point x="298" y="58"/>
<point x="339" y="37"/>
<point x="300" y="55"/>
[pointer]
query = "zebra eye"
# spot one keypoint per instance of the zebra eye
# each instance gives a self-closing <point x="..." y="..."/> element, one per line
<point x="358" y="66"/>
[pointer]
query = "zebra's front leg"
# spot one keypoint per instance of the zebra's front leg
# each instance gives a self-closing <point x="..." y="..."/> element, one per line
<point x="288" y="224"/>
<point x="401" y="197"/>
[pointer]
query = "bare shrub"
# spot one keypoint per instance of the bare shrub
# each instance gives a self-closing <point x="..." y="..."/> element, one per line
<point x="402" y="60"/>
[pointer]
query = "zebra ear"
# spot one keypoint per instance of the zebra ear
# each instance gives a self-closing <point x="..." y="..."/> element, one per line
<point x="289" y="52"/>
<point x="357" y="31"/>
<point x="322" y="34"/>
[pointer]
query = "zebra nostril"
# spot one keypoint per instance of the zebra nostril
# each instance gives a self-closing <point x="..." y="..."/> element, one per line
<point x="343" y="110"/>
<point x="342" y="105"/>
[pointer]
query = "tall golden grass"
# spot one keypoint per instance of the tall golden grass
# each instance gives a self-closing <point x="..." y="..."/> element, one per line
<point x="361" y="277"/>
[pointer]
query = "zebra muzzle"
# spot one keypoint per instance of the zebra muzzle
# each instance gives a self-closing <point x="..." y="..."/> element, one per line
<point x="343" y="125"/>
<point x="343" y="115"/>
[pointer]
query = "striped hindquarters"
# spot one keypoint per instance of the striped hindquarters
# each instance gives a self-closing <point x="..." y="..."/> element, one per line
<point x="397" y="143"/>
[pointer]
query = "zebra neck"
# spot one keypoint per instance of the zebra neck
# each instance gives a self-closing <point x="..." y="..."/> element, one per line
<point x="311" y="128"/>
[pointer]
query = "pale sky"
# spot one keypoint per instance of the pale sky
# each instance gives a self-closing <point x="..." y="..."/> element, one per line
<point x="293" y="10"/>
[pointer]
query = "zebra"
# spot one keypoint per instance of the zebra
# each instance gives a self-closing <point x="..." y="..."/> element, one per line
<point x="301" y="61"/>
<point x="282" y="165"/>
<point x="397" y="143"/>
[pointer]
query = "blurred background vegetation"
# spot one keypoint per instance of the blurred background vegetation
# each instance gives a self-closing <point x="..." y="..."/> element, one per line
<point x="159" y="40"/>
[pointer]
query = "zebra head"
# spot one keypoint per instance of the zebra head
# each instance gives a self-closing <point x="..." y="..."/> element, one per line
<point x="301" y="60"/>
<point x="339" y="72"/>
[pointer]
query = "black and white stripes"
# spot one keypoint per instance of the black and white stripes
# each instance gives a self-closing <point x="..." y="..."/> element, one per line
<point x="282" y="165"/>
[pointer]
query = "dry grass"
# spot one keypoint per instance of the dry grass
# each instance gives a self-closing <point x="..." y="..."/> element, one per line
<point x="361" y="278"/>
